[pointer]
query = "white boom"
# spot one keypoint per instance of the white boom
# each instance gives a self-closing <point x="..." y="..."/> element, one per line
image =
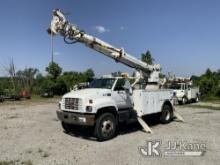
<point x="71" y="34"/>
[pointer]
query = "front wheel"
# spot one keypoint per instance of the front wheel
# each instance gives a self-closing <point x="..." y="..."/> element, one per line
<point x="105" y="127"/>
<point x="166" y="114"/>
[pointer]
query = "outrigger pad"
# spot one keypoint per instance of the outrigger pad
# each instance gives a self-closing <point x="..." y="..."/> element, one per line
<point x="144" y="125"/>
<point x="177" y="115"/>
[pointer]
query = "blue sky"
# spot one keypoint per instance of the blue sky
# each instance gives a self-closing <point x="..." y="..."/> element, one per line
<point x="182" y="35"/>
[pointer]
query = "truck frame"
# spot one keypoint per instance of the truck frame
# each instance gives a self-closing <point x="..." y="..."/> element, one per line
<point x="110" y="100"/>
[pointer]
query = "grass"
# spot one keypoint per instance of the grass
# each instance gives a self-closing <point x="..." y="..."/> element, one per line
<point x="7" y="162"/>
<point x="204" y="107"/>
<point x="28" y="162"/>
<point x="40" y="150"/>
<point x="11" y="162"/>
<point x="29" y="151"/>
<point x="212" y="99"/>
<point x="45" y="155"/>
<point x="217" y="101"/>
<point x="35" y="99"/>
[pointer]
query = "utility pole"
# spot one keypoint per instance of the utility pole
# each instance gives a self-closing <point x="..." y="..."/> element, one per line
<point x="52" y="48"/>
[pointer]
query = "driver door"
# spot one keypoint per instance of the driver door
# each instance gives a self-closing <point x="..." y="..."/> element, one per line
<point x="121" y="95"/>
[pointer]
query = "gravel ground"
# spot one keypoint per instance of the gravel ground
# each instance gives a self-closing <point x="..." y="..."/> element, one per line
<point x="32" y="132"/>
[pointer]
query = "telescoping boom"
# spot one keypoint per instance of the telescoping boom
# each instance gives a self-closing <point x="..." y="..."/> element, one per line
<point x="59" y="25"/>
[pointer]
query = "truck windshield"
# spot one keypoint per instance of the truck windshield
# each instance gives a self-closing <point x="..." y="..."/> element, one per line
<point x="175" y="86"/>
<point x="102" y="83"/>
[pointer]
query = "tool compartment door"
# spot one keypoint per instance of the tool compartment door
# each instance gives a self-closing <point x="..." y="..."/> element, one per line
<point x="150" y="101"/>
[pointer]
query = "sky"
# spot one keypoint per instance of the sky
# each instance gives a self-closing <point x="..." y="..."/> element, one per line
<point x="182" y="35"/>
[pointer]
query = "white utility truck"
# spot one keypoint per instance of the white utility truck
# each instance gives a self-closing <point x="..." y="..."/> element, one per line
<point x="110" y="100"/>
<point x="185" y="92"/>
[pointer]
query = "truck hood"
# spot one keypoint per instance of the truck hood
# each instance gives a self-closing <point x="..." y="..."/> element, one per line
<point x="87" y="93"/>
<point x="179" y="92"/>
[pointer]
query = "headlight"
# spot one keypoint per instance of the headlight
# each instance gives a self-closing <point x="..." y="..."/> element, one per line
<point x="88" y="108"/>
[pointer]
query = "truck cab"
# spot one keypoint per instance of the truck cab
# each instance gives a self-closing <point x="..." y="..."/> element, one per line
<point x="185" y="93"/>
<point x="109" y="95"/>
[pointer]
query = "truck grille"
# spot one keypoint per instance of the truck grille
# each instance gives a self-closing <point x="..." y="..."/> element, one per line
<point x="73" y="103"/>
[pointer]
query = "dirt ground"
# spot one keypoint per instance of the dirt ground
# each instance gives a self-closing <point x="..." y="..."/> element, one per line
<point x="33" y="133"/>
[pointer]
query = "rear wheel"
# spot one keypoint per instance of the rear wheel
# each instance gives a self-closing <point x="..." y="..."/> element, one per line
<point x="105" y="127"/>
<point x="167" y="114"/>
<point x="184" y="100"/>
<point x="197" y="99"/>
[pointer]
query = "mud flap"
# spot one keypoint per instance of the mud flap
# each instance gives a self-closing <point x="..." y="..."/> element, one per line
<point x="144" y="125"/>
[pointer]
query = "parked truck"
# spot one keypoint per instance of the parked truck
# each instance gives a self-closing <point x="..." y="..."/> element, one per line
<point x="111" y="100"/>
<point x="185" y="92"/>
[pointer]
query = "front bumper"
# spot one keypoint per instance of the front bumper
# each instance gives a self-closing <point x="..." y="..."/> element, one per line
<point x="76" y="118"/>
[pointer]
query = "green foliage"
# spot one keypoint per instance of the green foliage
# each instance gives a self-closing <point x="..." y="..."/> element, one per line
<point x="47" y="85"/>
<point x="7" y="162"/>
<point x="54" y="70"/>
<point x="26" y="78"/>
<point x="73" y="78"/>
<point x="209" y="84"/>
<point x="59" y="87"/>
<point x="147" y="57"/>
<point x="30" y="79"/>
<point x="115" y="74"/>
<point x="89" y="75"/>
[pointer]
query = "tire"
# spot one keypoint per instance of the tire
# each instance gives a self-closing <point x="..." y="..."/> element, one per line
<point x="197" y="99"/>
<point x="166" y="114"/>
<point x="105" y="127"/>
<point x="184" y="100"/>
<point x="67" y="127"/>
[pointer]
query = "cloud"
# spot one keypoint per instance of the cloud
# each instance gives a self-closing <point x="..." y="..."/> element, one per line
<point x="56" y="53"/>
<point x="101" y="29"/>
<point x="122" y="27"/>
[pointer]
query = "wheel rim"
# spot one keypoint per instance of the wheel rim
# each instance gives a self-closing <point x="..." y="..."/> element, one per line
<point x="184" y="100"/>
<point x="107" y="127"/>
<point x="167" y="115"/>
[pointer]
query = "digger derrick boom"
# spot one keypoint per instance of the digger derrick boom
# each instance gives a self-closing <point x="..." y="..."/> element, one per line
<point x="59" y="25"/>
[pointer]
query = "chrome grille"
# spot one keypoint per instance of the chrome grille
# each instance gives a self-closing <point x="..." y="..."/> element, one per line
<point x="73" y="103"/>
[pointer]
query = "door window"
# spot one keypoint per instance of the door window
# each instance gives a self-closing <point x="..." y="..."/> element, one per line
<point x="120" y="85"/>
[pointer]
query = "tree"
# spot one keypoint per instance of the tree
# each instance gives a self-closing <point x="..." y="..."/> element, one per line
<point x="72" y="78"/>
<point x="209" y="84"/>
<point x="208" y="73"/>
<point x="115" y="74"/>
<point x="28" y="76"/>
<point x="195" y="79"/>
<point x="54" y="70"/>
<point x="147" y="57"/>
<point x="89" y="75"/>
<point x="10" y="69"/>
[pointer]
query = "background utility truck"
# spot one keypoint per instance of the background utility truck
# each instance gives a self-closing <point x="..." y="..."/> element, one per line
<point x="184" y="91"/>
<point x="111" y="100"/>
